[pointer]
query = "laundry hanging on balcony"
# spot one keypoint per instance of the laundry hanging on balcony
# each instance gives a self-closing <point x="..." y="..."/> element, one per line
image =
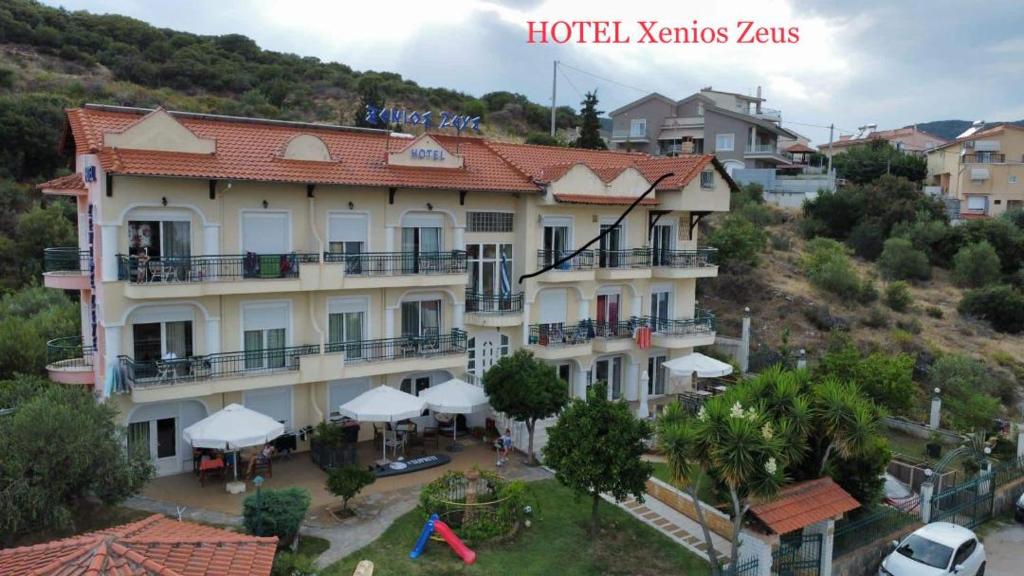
<point x="642" y="335"/>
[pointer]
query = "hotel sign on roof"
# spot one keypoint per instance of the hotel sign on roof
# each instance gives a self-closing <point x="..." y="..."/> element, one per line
<point x="390" y="116"/>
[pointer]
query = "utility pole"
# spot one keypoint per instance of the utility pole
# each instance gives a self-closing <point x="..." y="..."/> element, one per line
<point x="554" y="84"/>
<point x="831" y="128"/>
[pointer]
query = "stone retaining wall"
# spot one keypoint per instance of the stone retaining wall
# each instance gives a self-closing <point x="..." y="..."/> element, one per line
<point x="718" y="522"/>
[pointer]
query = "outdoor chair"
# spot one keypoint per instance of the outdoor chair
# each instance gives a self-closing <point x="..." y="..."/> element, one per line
<point x="393" y="442"/>
<point x="263" y="466"/>
<point x="160" y="272"/>
<point x="164" y="371"/>
<point x="431" y="434"/>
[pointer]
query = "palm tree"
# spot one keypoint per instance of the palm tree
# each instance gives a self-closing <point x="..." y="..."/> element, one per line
<point x="848" y="420"/>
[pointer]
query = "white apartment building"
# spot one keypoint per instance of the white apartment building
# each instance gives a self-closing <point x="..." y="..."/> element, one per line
<point x="290" y="267"/>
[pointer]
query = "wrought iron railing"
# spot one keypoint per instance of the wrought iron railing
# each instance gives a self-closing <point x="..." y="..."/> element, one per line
<point x="69" y="259"/>
<point x="703" y="323"/>
<point x="477" y="303"/>
<point x="868" y="526"/>
<point x="403" y="347"/>
<point x="400" y="263"/>
<point x="620" y="328"/>
<point x="582" y="261"/>
<point x="629" y="258"/>
<point x="69" y="352"/>
<point x="142" y="373"/>
<point x="211" y="268"/>
<point x="560" y="334"/>
<point x="697" y="258"/>
<point x="984" y="158"/>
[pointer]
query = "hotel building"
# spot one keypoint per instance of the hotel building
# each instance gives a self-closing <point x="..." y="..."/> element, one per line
<point x="290" y="267"/>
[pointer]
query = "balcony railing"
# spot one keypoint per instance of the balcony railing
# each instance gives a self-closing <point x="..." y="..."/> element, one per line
<point x="494" y="303"/>
<point x="68" y="352"/>
<point x="401" y="348"/>
<point x="400" y="263"/>
<point x="618" y="329"/>
<point x="984" y="158"/>
<point x="211" y="268"/>
<point x="698" y="258"/>
<point x="142" y="373"/>
<point x="561" y="334"/>
<point x="762" y="149"/>
<point x="69" y="259"/>
<point x="629" y="258"/>
<point x="630" y="135"/>
<point x="704" y="323"/>
<point x="582" y="261"/>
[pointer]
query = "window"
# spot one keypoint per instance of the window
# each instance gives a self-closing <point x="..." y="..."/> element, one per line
<point x="707" y="179"/>
<point x="157" y="238"/>
<point x="346" y="322"/>
<point x="1011" y="180"/>
<point x="490" y="269"/>
<point x="471" y="355"/>
<point x="421" y="241"/>
<point x="656" y="375"/>
<point x="421" y="384"/>
<point x="977" y="203"/>
<point x="341" y="391"/>
<point x="273" y="402"/>
<point x="557" y="238"/>
<point x="488" y="221"/>
<point x="421" y="318"/>
<point x="608" y="314"/>
<point x="725" y="142"/>
<point x="660" y="307"/>
<point x="609" y="371"/>
<point x="964" y="552"/>
<point x="266" y="232"/>
<point x="553" y="306"/>
<point x="265" y="335"/>
<point x="638" y="128"/>
<point x="347" y="234"/>
<point x="610" y="247"/>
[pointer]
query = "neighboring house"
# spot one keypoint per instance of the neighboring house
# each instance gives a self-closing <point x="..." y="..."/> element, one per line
<point x="983" y="170"/>
<point x="289" y="267"/>
<point x="734" y="127"/>
<point x="153" y="545"/>
<point x="908" y="139"/>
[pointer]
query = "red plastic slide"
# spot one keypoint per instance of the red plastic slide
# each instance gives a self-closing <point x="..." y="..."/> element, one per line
<point x="467" y="555"/>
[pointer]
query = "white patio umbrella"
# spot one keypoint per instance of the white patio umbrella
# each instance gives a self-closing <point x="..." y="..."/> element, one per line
<point x="233" y="428"/>
<point x="704" y="366"/>
<point x="383" y="404"/>
<point x="455" y="397"/>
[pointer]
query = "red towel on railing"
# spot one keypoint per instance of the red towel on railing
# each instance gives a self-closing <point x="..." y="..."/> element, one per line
<point x="643" y="337"/>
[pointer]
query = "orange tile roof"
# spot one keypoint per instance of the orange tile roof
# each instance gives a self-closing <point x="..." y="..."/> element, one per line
<point x="251" y="149"/>
<point x="69" y="183"/>
<point x="603" y="200"/>
<point x="803" y="504"/>
<point x="153" y="545"/>
<point x="798" y="147"/>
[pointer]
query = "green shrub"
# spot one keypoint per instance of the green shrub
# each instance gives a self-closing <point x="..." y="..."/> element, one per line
<point x="1002" y="306"/>
<point x="885" y="378"/>
<point x="827" y="265"/>
<point x="738" y="241"/>
<point x="290" y="564"/>
<point x="976" y="265"/>
<point x="346" y="482"/>
<point x="781" y="242"/>
<point x="875" y="318"/>
<point x="911" y="325"/>
<point x="867" y="239"/>
<point x="901" y="261"/>
<point x="968" y="392"/>
<point x="898" y="296"/>
<point x="927" y="235"/>
<point x="276" y="513"/>
<point x="868" y="292"/>
<point x="934" y="312"/>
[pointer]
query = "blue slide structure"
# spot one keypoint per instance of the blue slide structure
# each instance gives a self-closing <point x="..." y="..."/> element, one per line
<point x="421" y="543"/>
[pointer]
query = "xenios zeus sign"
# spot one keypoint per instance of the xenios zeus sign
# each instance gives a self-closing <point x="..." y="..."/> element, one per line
<point x="401" y="116"/>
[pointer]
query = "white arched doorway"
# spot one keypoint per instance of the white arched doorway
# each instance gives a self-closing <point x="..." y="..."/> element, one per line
<point x="484" y="348"/>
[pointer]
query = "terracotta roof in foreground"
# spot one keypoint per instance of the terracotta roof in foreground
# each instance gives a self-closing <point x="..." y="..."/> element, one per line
<point x="69" y="183"/>
<point x="803" y="504"/>
<point x="152" y="546"/>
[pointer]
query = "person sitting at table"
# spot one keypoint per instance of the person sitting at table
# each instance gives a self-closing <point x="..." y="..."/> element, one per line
<point x="263" y="457"/>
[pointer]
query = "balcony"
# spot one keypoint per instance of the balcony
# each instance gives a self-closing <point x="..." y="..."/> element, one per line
<point x="616" y="336"/>
<point x="402" y="354"/>
<point x="984" y="158"/>
<point x="559" y="341"/>
<point x="191" y="276"/>
<point x="629" y="135"/>
<point x="494" y="310"/>
<point x="579" y="268"/>
<point x="66" y="268"/>
<point x="395" y="269"/>
<point x="624" y="264"/>
<point x="70" y="362"/>
<point x="770" y="114"/>
<point x="693" y="263"/>
<point x="248" y="363"/>
<point x="683" y="332"/>
<point x="765" y="151"/>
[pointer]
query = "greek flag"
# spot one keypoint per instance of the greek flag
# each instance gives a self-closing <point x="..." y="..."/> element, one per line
<point x="506" y="284"/>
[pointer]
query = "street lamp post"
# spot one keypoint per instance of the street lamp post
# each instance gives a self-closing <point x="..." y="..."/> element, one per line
<point x="258" y="482"/>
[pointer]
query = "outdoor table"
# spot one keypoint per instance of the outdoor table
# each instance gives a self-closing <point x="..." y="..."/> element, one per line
<point x="208" y="466"/>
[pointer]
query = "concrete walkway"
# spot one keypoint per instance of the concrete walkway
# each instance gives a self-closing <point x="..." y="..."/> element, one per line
<point x="677" y="527"/>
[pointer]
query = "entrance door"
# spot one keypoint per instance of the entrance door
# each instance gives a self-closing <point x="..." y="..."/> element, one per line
<point x="415" y="385"/>
<point x="661" y="242"/>
<point x="166" y="446"/>
<point x="489" y="348"/>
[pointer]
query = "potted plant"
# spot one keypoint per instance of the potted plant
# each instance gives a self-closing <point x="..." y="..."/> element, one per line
<point x="333" y="446"/>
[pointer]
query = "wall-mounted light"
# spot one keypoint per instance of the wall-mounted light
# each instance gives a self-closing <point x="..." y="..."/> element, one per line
<point x="594" y="218"/>
<point x="164" y="200"/>
<point x="351" y="206"/>
<point x="430" y="206"/>
<point x="266" y="204"/>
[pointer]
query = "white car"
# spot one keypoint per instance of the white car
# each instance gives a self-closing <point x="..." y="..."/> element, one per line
<point x="938" y="548"/>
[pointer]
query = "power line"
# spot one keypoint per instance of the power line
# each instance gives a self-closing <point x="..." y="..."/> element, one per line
<point x="573" y="86"/>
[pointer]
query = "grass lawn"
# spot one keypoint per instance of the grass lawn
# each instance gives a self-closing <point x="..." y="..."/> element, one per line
<point x="557" y="543"/>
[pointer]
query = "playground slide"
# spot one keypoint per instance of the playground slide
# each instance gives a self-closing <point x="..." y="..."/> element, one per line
<point x="421" y="542"/>
<point x="467" y="555"/>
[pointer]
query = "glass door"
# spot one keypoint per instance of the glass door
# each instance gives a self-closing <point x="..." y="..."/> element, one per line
<point x="609" y="371"/>
<point x="556" y="244"/>
<point x="265" y="348"/>
<point x="659" y="309"/>
<point x="422" y="249"/>
<point x="345" y="332"/>
<point x="490" y="276"/>
<point x="159" y="347"/>
<point x="608" y="314"/>
<point x="611" y="243"/>
<point x="656" y="374"/>
<point x="661" y="243"/>
<point x="166" y="446"/>
<point x="422" y="318"/>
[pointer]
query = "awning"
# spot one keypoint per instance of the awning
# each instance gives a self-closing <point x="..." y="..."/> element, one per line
<point x="455" y="397"/>
<point x="233" y="428"/>
<point x="704" y="366"/>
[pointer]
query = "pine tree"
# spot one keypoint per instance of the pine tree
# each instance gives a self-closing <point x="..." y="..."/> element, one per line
<point x="590" y="124"/>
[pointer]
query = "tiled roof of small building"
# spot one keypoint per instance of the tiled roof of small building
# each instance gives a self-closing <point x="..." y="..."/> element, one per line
<point x="803" y="504"/>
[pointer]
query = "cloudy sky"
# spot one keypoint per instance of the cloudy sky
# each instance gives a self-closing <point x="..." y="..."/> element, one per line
<point x="873" y="61"/>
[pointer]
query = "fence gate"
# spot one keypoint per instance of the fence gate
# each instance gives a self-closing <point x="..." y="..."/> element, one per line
<point x="967" y="504"/>
<point x="797" y="556"/>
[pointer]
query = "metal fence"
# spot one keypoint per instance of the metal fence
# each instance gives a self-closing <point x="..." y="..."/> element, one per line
<point x="967" y="504"/>
<point x="66" y="260"/>
<point x="382" y="349"/>
<point x="141" y="373"/>
<point x="494" y="303"/>
<point x="871" y="525"/>
<point x="697" y="258"/>
<point x="561" y="335"/>
<point x="797" y="555"/>
<point x="400" y="263"/>
<point x="211" y="268"/>
<point x="629" y="258"/>
<point x="704" y="323"/>
<point x="68" y="352"/>
<point x="746" y="567"/>
<point x="582" y="261"/>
